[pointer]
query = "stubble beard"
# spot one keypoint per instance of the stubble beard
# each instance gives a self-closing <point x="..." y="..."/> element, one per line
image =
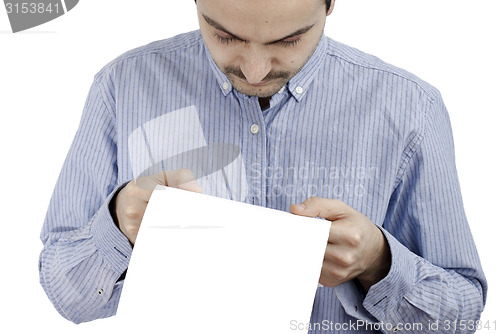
<point x="238" y="81"/>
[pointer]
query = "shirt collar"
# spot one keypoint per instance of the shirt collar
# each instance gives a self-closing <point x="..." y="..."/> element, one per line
<point x="224" y="84"/>
<point x="298" y="84"/>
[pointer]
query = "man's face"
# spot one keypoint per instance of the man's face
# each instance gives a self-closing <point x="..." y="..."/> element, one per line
<point x="261" y="44"/>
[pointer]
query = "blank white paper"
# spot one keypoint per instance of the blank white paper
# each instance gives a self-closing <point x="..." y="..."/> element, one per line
<point x="203" y="264"/>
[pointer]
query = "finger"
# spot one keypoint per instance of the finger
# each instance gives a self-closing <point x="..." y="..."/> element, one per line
<point x="331" y="277"/>
<point x="331" y="209"/>
<point x="179" y="177"/>
<point x="182" y="179"/>
<point x="345" y="232"/>
<point x="190" y="186"/>
<point x="132" y="193"/>
<point x="148" y="183"/>
<point x="339" y="256"/>
<point x="171" y="178"/>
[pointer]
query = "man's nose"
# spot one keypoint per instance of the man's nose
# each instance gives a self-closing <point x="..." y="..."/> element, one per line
<point x="256" y="65"/>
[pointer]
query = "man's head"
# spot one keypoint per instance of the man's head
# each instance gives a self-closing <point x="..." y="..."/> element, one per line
<point x="261" y="44"/>
<point x="328" y="3"/>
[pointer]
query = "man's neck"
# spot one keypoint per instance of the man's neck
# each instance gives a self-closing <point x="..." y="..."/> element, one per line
<point x="264" y="102"/>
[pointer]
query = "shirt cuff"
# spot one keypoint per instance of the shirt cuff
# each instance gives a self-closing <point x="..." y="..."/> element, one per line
<point x="111" y="243"/>
<point x="387" y="293"/>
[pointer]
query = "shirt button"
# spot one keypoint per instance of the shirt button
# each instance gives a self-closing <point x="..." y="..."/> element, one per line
<point x="254" y="129"/>
<point x="225" y="85"/>
<point x="299" y="90"/>
<point x="100" y="292"/>
<point x="281" y="90"/>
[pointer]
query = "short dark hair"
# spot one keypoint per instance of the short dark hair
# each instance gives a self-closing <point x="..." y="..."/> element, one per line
<point x="328" y="4"/>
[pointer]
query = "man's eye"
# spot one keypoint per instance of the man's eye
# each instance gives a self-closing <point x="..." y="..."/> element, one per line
<point x="225" y="40"/>
<point x="291" y="42"/>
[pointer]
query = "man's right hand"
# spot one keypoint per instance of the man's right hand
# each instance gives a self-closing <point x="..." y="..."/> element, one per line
<point x="130" y="203"/>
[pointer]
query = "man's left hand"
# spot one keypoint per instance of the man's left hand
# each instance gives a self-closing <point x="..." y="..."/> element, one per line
<point x="356" y="247"/>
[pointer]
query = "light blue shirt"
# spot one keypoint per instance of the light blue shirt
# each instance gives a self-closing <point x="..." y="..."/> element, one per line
<point x="347" y="126"/>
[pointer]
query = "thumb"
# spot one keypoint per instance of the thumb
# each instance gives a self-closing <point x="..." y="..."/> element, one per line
<point x="330" y="209"/>
<point x="182" y="179"/>
<point x="149" y="182"/>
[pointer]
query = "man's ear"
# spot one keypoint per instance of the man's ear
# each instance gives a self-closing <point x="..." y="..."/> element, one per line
<point x="330" y="10"/>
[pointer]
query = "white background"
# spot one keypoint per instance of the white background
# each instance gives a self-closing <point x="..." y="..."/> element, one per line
<point x="45" y="74"/>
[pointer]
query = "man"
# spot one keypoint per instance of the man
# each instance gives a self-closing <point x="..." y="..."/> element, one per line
<point x="321" y="129"/>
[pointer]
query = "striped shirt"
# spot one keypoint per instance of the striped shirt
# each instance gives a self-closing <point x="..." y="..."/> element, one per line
<point x="347" y="126"/>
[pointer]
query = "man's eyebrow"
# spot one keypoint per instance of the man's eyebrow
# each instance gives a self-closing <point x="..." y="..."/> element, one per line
<point x="218" y="26"/>
<point x="296" y="33"/>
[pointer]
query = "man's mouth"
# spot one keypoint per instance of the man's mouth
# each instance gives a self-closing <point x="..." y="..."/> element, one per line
<point x="262" y="83"/>
<point x="245" y="81"/>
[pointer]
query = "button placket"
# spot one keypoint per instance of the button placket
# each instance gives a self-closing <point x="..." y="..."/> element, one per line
<point x="255" y="143"/>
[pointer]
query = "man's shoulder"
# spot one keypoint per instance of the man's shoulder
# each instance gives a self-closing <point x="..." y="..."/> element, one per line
<point x="343" y="53"/>
<point x="183" y="44"/>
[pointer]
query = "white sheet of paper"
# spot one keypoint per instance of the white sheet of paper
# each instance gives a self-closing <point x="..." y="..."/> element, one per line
<point x="203" y="264"/>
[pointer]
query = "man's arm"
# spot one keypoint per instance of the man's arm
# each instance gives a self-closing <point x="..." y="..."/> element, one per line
<point x="84" y="252"/>
<point x="435" y="276"/>
<point x="93" y="220"/>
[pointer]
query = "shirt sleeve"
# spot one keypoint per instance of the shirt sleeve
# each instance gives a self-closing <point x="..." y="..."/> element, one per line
<point x="84" y="252"/>
<point x="436" y="276"/>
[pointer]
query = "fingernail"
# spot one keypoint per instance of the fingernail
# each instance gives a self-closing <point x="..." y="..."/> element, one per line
<point x="302" y="206"/>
